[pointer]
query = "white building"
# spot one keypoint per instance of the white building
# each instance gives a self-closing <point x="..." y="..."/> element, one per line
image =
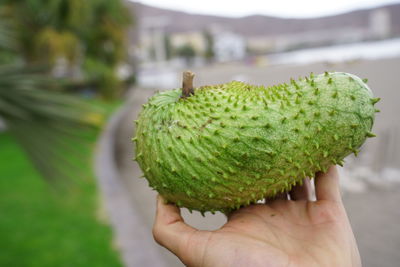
<point x="229" y="46"/>
<point x="380" y="23"/>
<point x="195" y="39"/>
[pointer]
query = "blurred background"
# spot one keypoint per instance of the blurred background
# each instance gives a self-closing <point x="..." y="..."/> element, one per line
<point x="73" y="77"/>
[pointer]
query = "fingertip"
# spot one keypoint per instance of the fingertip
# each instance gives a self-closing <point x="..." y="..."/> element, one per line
<point x="332" y="174"/>
<point x="167" y="213"/>
<point x="332" y="170"/>
<point x="160" y="202"/>
<point x="327" y="185"/>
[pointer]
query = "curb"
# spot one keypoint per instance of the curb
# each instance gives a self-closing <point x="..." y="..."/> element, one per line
<point x="135" y="246"/>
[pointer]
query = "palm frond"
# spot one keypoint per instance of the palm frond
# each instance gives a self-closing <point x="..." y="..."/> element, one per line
<point x="47" y="123"/>
<point x="7" y="33"/>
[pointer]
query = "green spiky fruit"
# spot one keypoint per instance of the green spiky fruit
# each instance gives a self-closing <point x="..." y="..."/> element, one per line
<point x="232" y="144"/>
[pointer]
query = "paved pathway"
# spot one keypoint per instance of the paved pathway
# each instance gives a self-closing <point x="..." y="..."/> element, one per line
<point x="374" y="214"/>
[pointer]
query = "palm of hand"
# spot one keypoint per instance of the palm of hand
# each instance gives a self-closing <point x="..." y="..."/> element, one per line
<point x="282" y="232"/>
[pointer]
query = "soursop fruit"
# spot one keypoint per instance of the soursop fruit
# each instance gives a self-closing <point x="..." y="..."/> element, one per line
<point x="216" y="148"/>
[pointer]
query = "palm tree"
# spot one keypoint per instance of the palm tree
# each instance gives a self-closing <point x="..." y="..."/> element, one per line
<point x="44" y="121"/>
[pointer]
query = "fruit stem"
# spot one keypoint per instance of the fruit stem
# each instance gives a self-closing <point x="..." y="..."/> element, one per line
<point x="187" y="84"/>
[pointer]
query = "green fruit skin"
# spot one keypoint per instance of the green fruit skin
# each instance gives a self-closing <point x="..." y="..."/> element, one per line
<point x="233" y="144"/>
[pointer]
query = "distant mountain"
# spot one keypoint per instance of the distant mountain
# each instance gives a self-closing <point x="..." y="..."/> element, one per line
<point x="260" y="25"/>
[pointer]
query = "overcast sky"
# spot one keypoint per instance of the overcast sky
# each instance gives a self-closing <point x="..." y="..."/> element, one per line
<point x="281" y="8"/>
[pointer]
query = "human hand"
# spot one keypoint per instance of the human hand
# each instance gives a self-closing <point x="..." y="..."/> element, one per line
<point x="296" y="232"/>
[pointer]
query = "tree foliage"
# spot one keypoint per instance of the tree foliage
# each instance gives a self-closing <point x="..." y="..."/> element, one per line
<point x="187" y="52"/>
<point x="75" y="31"/>
<point x="45" y="121"/>
<point x="209" y="53"/>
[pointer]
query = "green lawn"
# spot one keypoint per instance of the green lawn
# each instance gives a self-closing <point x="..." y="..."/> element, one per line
<point x="45" y="226"/>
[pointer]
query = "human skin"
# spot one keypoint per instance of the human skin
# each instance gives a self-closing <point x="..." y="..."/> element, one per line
<point x="282" y="232"/>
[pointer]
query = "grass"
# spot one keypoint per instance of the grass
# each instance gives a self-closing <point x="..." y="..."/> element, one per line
<point x="45" y="226"/>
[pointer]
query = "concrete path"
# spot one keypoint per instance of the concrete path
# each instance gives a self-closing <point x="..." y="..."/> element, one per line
<point x="131" y="234"/>
<point x="373" y="212"/>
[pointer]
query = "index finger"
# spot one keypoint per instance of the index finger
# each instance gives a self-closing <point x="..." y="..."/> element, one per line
<point x="327" y="185"/>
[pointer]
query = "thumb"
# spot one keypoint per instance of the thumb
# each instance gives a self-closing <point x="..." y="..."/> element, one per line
<point x="171" y="232"/>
